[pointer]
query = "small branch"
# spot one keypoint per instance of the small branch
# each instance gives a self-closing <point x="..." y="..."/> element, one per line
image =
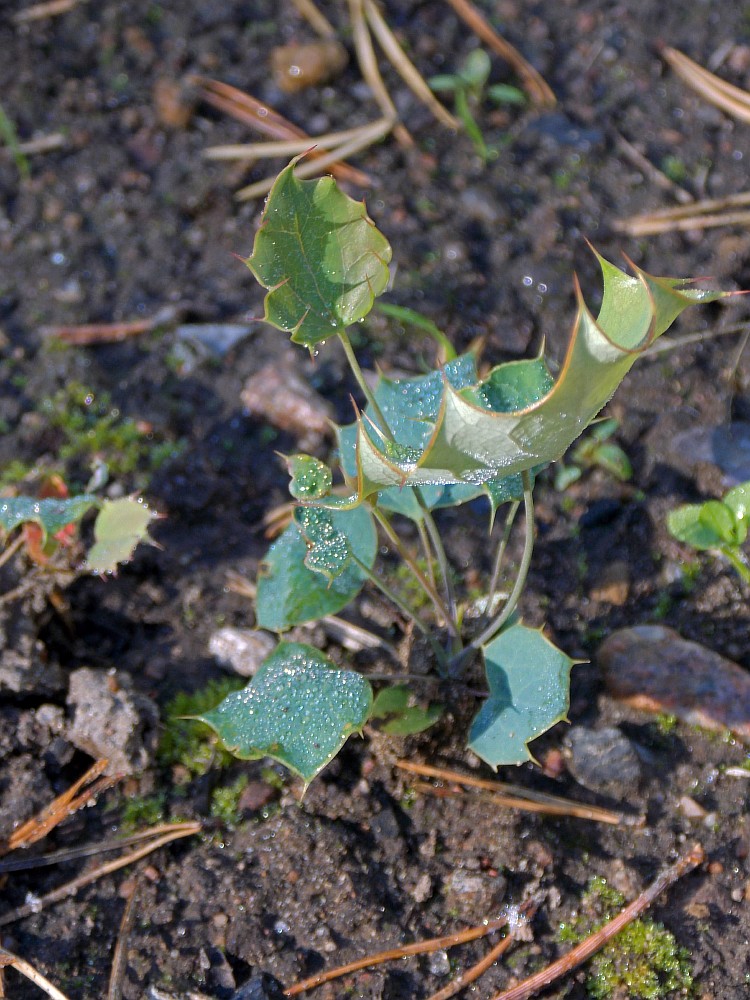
<point x="596" y="941"/>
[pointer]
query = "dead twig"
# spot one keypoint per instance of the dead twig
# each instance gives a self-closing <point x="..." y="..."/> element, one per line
<point x="8" y="959"/>
<point x="63" y="806"/>
<point x="518" y="797"/>
<point x="176" y="831"/>
<point x="404" y="66"/>
<point x="703" y="214"/>
<point x="293" y="147"/>
<point x="88" y="334"/>
<point x="395" y="954"/>
<point x="39" y="11"/>
<point x="582" y="952"/>
<point x="658" y="177"/>
<point x="536" y="87"/>
<point x="10" y="550"/>
<point x="730" y="99"/>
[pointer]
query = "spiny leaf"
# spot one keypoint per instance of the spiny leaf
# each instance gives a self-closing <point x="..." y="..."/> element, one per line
<point x="528" y="678"/>
<point x="289" y="593"/>
<point x="475" y="438"/>
<point x="320" y="256"/>
<point x="299" y="709"/>
<point x="311" y="478"/>
<point x="119" y="527"/>
<point x="328" y="549"/>
<point x="51" y="514"/>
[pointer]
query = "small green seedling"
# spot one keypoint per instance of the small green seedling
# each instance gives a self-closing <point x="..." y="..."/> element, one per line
<point x="469" y="89"/>
<point x="716" y="526"/>
<point x="595" y="451"/>
<point x="119" y="526"/>
<point x="424" y="443"/>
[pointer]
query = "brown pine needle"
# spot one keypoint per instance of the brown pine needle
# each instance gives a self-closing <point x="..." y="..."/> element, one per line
<point x="368" y="66"/>
<point x="175" y="832"/>
<point x="87" y="334"/>
<point x="314" y="165"/>
<point x="292" y="147"/>
<point x="404" y="66"/>
<point x="261" y="117"/>
<point x="317" y="20"/>
<point x="39" y="11"/>
<point x="706" y="214"/>
<point x="120" y="957"/>
<point x="60" y="808"/>
<point x="479" y="969"/>
<point x="8" y="959"/>
<point x="730" y="99"/>
<point x="394" y="954"/>
<point x="518" y="797"/>
<point x="533" y="83"/>
<point x="582" y="952"/>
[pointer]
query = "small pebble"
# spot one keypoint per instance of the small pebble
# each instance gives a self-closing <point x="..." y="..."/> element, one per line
<point x="603" y="760"/>
<point x="282" y="397"/>
<point x="651" y="668"/>
<point x="242" y="649"/>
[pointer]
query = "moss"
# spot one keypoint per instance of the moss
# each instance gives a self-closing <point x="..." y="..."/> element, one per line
<point x="142" y="812"/>
<point x="193" y="745"/>
<point x="643" y="962"/>
<point x="225" y="802"/>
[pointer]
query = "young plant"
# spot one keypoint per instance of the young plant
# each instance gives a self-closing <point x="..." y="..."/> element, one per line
<point x="424" y="443"/>
<point x="469" y="89"/>
<point x="595" y="451"/>
<point x="716" y="526"/>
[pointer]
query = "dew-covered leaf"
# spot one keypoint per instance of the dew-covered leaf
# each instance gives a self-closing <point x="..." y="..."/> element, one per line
<point x="51" y="514"/>
<point x="328" y="548"/>
<point x="299" y="709"/>
<point x="311" y="478"/>
<point x="120" y="525"/>
<point x="319" y="255"/>
<point x="528" y="680"/>
<point x="479" y="433"/>
<point x="289" y="593"/>
<point x="738" y="499"/>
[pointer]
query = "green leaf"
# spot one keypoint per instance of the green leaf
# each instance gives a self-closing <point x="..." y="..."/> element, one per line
<point x="119" y="527"/>
<point x="408" y="719"/>
<point x="289" y="593"/>
<point x="299" y="709"/>
<point x="328" y="549"/>
<point x="687" y="526"/>
<point x="716" y="517"/>
<point x="610" y="457"/>
<point x="738" y="499"/>
<point x="52" y="515"/>
<point x="475" y="438"/>
<point x="311" y="478"/>
<point x="529" y="679"/>
<point x="320" y="256"/>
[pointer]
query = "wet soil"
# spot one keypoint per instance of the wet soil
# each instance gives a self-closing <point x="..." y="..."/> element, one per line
<point x="126" y="221"/>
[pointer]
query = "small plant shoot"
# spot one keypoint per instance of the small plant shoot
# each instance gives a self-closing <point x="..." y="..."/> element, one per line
<point x="418" y="445"/>
<point x="717" y="526"/>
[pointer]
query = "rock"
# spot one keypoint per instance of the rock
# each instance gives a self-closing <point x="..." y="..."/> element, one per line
<point x="307" y="64"/>
<point x="242" y="649"/>
<point x="24" y="668"/>
<point x="111" y="721"/>
<point x="258" y="988"/>
<point x="726" y="447"/>
<point x="603" y="760"/>
<point x="278" y="393"/>
<point x="613" y="585"/>
<point x="23" y="792"/>
<point x="652" y="668"/>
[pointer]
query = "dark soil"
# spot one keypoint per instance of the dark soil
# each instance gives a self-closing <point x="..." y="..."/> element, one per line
<point x="127" y="219"/>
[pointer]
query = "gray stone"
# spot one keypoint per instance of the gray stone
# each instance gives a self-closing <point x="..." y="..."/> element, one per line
<point x="111" y="721"/>
<point x="603" y="760"/>
<point x="241" y="649"/>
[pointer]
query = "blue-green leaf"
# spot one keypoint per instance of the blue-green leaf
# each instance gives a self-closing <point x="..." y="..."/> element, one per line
<point x="299" y="709"/>
<point x="51" y="514"/>
<point x="529" y="679"/>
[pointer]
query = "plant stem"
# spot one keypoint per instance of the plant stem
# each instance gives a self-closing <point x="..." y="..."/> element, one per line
<point x="428" y="553"/>
<point x="735" y="558"/>
<point x="367" y="392"/>
<point x="510" y="518"/>
<point x="442" y="561"/>
<point x="523" y="571"/>
<point x="391" y="595"/>
<point x="419" y="576"/>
